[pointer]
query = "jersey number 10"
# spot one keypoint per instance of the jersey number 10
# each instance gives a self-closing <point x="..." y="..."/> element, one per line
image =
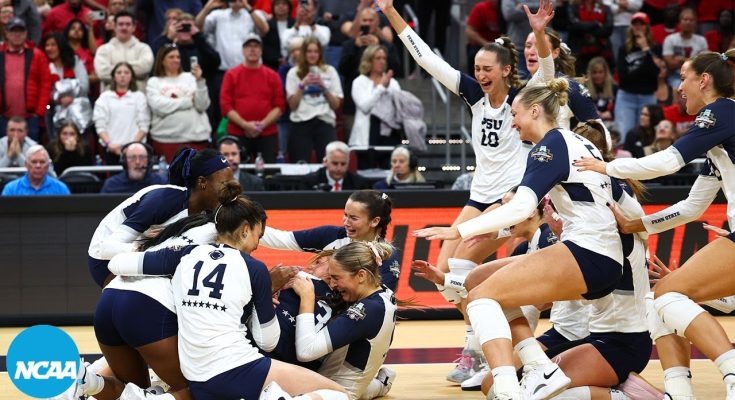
<point x="213" y="280"/>
<point x="490" y="139"/>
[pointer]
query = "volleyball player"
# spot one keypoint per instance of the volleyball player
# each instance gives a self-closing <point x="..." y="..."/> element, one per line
<point x="194" y="180"/>
<point x="708" y="87"/>
<point x="216" y="359"/>
<point x="588" y="261"/>
<point x="366" y="218"/>
<point x="355" y="341"/>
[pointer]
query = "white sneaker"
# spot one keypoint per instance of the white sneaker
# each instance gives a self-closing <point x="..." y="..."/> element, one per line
<point x="386" y="377"/>
<point x="504" y="396"/>
<point x="468" y="363"/>
<point x="668" y="396"/>
<point x="157" y="381"/>
<point x="474" y="383"/>
<point x="544" y="382"/>
<point x="271" y="392"/>
<point x="730" y="387"/>
<point x="133" y="392"/>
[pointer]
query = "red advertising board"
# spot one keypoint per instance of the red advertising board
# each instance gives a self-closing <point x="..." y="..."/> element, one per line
<point x="672" y="246"/>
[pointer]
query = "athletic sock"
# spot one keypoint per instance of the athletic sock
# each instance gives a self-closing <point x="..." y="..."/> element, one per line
<point x="530" y="352"/>
<point x="505" y="380"/>
<point x="469" y="334"/>
<point x="576" y="393"/>
<point x="726" y="363"/>
<point x="678" y="381"/>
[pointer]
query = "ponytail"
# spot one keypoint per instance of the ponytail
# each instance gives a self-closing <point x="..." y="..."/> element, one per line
<point x="506" y="54"/>
<point x="721" y="67"/>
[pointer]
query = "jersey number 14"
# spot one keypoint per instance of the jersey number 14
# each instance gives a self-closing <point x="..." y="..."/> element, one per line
<point x="212" y="281"/>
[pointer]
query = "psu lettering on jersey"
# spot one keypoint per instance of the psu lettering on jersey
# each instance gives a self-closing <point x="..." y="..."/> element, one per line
<point x="665" y="218"/>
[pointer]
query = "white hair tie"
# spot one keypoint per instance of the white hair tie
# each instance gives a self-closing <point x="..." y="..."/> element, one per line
<point x="220" y="207"/>
<point x="378" y="259"/>
<point x="500" y="41"/>
<point x="564" y="48"/>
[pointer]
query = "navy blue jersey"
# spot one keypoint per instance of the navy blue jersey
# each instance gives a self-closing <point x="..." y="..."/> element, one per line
<point x="155" y="207"/>
<point x="542" y="238"/>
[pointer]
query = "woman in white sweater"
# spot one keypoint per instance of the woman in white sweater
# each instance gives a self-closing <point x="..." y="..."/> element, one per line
<point x="121" y="114"/>
<point x="178" y="101"/>
<point x="371" y="88"/>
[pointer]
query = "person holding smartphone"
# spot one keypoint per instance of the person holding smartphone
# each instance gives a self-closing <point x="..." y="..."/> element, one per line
<point x="306" y="26"/>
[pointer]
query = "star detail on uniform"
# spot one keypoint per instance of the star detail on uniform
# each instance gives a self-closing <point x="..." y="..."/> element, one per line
<point x="183" y="303"/>
<point x="292" y="319"/>
<point x="286" y="313"/>
<point x="187" y="239"/>
<point x="224" y="308"/>
<point x="216" y="306"/>
<point x="208" y="305"/>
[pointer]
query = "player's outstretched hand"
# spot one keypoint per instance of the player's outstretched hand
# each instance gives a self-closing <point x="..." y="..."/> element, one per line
<point x="302" y="286"/>
<point x="438" y="233"/>
<point x="591" y="164"/>
<point x="428" y="271"/>
<point x="474" y="240"/>
<point x="280" y="275"/>
<point x="716" y="230"/>
<point x="384" y="4"/>
<point x="542" y="17"/>
<point x="659" y="270"/>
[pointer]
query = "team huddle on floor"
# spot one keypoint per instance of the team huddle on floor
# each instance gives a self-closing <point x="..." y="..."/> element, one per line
<point x="183" y="295"/>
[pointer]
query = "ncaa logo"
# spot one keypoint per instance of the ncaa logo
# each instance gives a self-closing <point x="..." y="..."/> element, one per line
<point x="42" y="361"/>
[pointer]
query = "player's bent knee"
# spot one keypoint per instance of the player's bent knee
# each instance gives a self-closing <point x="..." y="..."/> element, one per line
<point x="677" y="311"/>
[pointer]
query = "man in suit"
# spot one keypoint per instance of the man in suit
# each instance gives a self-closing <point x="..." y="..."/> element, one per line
<point x="334" y="175"/>
<point x="231" y="148"/>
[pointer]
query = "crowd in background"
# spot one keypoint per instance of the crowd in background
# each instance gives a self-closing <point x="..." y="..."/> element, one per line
<point x="287" y="78"/>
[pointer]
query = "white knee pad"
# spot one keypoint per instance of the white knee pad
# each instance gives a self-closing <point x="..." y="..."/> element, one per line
<point x="449" y="294"/>
<point x="488" y="320"/>
<point x="656" y="326"/>
<point x="677" y="311"/>
<point x="532" y="315"/>
<point x="513" y="313"/>
<point x="461" y="266"/>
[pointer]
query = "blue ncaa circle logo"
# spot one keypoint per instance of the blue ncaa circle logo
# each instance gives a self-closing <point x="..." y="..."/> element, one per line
<point x="43" y="361"/>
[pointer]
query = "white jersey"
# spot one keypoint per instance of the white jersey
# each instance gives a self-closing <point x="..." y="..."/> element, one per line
<point x="215" y="288"/>
<point x="153" y="205"/>
<point x="580" y="197"/>
<point x="159" y="288"/>
<point x="355" y="342"/>
<point x="499" y="153"/>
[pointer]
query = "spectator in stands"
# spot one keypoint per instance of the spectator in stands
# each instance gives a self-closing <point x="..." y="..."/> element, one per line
<point x="306" y="26"/>
<point x="43" y="8"/>
<point x="350" y="24"/>
<point x="314" y="91"/>
<point x="440" y="9"/>
<point x="63" y="63"/>
<point x="331" y="13"/>
<point x="25" y="71"/>
<point x="27" y="11"/>
<point x="13" y="147"/>
<point x="404" y="170"/>
<point x="371" y="92"/>
<point x="623" y="11"/>
<point x="708" y="14"/>
<point x="107" y="31"/>
<point x="590" y="27"/>
<point x="464" y="181"/>
<point x="36" y="181"/>
<point x="637" y="72"/>
<point x="664" y="93"/>
<point x="69" y="149"/>
<point x="178" y="102"/>
<point x="60" y="16"/>
<point x="718" y="39"/>
<point x="123" y="47"/>
<point x="680" y="46"/>
<point x="353" y="48"/>
<point x="617" y="146"/>
<point x="152" y="14"/>
<point x="518" y="27"/>
<point x="232" y="149"/>
<point x="669" y="25"/>
<point x="192" y="44"/>
<point x="602" y="88"/>
<point x="483" y="26"/>
<point x="281" y="21"/>
<point x="121" y="113"/>
<point x="252" y="100"/>
<point x="677" y="114"/>
<point x="665" y="137"/>
<point x="229" y="27"/>
<point x="643" y="134"/>
<point x="656" y="8"/>
<point x="6" y="14"/>
<point x="137" y="161"/>
<point x="335" y="176"/>
<point x="81" y="39"/>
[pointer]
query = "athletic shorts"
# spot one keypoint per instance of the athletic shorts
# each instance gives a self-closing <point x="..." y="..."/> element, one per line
<point x="601" y="273"/>
<point x="552" y="338"/>
<point x="481" y="206"/>
<point x="127" y="317"/>
<point x="243" y="382"/>
<point x="625" y="352"/>
<point x="98" y="270"/>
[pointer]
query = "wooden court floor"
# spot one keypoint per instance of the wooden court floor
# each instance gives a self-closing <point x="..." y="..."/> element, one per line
<point x="421" y="354"/>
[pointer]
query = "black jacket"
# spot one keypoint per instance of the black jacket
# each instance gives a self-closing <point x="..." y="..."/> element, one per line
<point x="317" y="180"/>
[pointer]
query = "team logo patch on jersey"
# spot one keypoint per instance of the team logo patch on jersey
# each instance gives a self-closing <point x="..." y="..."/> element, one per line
<point x="356" y="312"/>
<point x="542" y="154"/>
<point x="216" y="254"/>
<point x="552" y="238"/>
<point x="705" y="119"/>
<point x="395" y="268"/>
